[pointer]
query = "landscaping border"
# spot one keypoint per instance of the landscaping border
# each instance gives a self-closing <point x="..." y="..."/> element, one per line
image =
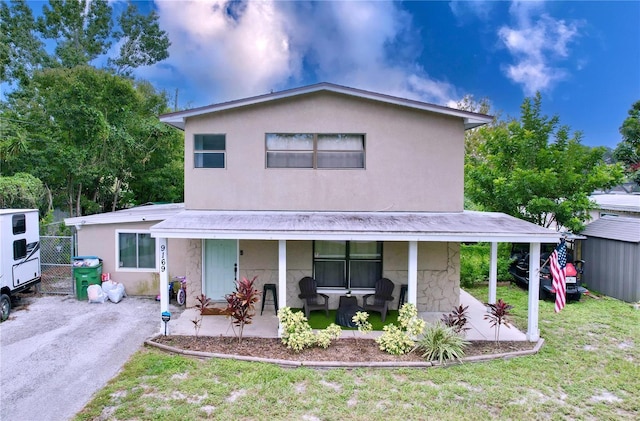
<point x="341" y="364"/>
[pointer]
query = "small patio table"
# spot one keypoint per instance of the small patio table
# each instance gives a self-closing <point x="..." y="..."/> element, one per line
<point x="347" y="308"/>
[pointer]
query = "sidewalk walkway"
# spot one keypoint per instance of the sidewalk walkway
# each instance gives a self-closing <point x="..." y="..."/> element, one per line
<point x="266" y="326"/>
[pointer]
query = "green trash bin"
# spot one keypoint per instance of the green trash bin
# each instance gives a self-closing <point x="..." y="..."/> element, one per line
<point x="87" y="270"/>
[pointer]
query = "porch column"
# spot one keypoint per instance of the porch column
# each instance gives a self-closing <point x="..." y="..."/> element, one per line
<point x="282" y="278"/>
<point x="164" y="281"/>
<point x="413" y="273"/>
<point x="493" y="273"/>
<point x="533" y="333"/>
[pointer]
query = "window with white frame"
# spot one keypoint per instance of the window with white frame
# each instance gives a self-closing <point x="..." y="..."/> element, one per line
<point x="314" y="150"/>
<point x="136" y="250"/>
<point x="347" y="264"/>
<point x="209" y="150"/>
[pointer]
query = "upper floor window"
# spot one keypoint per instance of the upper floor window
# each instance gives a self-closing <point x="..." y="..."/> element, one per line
<point x="312" y="150"/>
<point x="136" y="250"/>
<point x="209" y="150"/>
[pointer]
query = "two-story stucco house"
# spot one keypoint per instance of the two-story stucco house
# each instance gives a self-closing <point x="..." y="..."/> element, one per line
<point x="340" y="184"/>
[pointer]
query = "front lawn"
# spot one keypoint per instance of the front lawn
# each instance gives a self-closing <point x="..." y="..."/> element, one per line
<point x="589" y="368"/>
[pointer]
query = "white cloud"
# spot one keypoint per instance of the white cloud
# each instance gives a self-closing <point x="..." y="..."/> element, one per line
<point x="537" y="45"/>
<point x="234" y="50"/>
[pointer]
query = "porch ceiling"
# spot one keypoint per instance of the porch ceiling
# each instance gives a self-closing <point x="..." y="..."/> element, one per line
<point x="467" y="226"/>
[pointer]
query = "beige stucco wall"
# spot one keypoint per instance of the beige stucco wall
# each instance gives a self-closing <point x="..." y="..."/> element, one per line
<point x="438" y="270"/>
<point x="414" y="159"/>
<point x="100" y="240"/>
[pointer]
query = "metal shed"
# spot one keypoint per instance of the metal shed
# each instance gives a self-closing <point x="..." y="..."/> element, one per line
<point x="612" y="253"/>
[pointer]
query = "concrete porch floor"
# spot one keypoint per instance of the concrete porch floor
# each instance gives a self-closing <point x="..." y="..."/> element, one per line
<point x="266" y="325"/>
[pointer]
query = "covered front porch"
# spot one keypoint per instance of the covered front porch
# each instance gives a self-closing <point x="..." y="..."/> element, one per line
<point x="417" y="240"/>
<point x="266" y="325"/>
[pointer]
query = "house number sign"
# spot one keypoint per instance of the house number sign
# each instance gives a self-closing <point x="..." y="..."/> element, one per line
<point x="163" y="260"/>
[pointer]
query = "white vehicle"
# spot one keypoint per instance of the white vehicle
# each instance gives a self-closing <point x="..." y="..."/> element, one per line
<point x="19" y="254"/>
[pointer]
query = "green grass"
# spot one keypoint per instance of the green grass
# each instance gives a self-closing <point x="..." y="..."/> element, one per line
<point x="318" y="319"/>
<point x="589" y="368"/>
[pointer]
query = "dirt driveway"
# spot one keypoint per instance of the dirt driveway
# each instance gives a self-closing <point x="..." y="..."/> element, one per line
<point x="56" y="352"/>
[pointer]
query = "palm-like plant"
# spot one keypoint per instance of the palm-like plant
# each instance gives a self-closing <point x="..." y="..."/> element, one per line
<point x="241" y="304"/>
<point x="442" y="343"/>
<point x="498" y="316"/>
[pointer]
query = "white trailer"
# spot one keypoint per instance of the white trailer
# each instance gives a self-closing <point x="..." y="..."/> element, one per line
<point x="19" y="254"/>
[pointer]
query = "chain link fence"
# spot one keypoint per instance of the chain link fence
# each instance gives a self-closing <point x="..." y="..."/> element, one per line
<point x="55" y="261"/>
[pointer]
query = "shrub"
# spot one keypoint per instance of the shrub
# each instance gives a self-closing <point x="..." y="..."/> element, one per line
<point x="361" y="319"/>
<point x="325" y="336"/>
<point x="442" y="343"/>
<point x="457" y="319"/>
<point x="475" y="261"/>
<point x="498" y="316"/>
<point x="298" y="335"/>
<point x="400" y="340"/>
<point x="241" y="305"/>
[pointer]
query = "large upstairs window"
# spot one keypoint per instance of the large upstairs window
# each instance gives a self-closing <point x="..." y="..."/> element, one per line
<point x="313" y="150"/>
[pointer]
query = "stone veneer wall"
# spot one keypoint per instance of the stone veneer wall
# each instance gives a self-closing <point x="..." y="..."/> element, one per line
<point x="438" y="270"/>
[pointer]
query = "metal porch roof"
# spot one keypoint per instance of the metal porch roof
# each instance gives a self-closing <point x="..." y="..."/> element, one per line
<point x="151" y="212"/>
<point x="464" y="226"/>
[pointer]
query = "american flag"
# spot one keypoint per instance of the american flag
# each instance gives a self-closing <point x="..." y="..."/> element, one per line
<point x="558" y="264"/>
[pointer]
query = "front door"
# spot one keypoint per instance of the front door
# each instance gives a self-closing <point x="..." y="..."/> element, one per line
<point x="220" y="268"/>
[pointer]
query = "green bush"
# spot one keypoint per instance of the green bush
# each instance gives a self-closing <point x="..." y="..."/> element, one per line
<point x="475" y="260"/>
<point x="298" y="335"/>
<point x="400" y="340"/>
<point x="442" y="343"/>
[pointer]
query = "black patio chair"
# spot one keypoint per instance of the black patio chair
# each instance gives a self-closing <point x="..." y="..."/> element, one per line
<point x="311" y="298"/>
<point x="380" y="299"/>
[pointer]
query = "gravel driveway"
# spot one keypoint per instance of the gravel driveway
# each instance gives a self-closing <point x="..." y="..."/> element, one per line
<point x="56" y="352"/>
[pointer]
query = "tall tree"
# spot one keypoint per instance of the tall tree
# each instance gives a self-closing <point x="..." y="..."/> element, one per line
<point x="80" y="29"/>
<point x="93" y="135"/>
<point x="82" y="32"/>
<point x="21" y="49"/>
<point x="534" y="169"/>
<point x="143" y="43"/>
<point x="628" y="150"/>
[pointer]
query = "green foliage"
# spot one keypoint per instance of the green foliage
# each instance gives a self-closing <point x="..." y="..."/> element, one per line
<point x="143" y="43"/>
<point x="475" y="262"/>
<point x="94" y="140"/>
<point x="241" y="304"/>
<point x="81" y="31"/>
<point x="395" y="341"/>
<point x="22" y="190"/>
<point x="298" y="335"/>
<point x="442" y="343"/>
<point x="535" y="170"/>
<point x="398" y="340"/>
<point x="628" y="150"/>
<point x="498" y="315"/>
<point x="361" y="319"/>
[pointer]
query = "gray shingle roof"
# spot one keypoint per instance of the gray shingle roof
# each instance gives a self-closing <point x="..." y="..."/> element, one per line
<point x="390" y="226"/>
<point x="615" y="228"/>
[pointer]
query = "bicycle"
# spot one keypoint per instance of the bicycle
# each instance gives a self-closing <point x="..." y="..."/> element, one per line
<point x="181" y="291"/>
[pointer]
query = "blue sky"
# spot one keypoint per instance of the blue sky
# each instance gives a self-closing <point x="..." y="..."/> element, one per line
<point x="584" y="57"/>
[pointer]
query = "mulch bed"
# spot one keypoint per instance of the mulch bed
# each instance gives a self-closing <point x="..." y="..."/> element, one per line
<point x="344" y="350"/>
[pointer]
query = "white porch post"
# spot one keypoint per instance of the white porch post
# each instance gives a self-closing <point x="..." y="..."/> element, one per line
<point x="493" y="273"/>
<point x="282" y="278"/>
<point x="413" y="273"/>
<point x="164" y="281"/>
<point x="533" y="333"/>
